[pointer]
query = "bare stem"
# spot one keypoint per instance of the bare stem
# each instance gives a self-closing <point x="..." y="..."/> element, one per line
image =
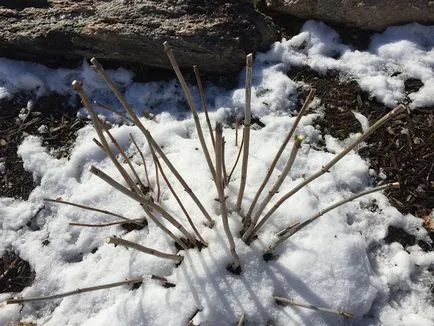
<point x="191" y="104"/>
<point x="125" y="157"/>
<point x="237" y="124"/>
<point x="138" y="220"/>
<point x="242" y="319"/>
<point x="144" y="203"/>
<point x="275" y="188"/>
<point x="58" y="201"/>
<point x="178" y="200"/>
<point x="280" y="151"/>
<point x="143" y="160"/>
<point x="96" y="141"/>
<point x="246" y="130"/>
<point x="149" y="137"/>
<point x="157" y="177"/>
<point x="77" y="291"/>
<point x="225" y="172"/>
<point x="220" y="190"/>
<point x="287" y="232"/>
<point x="129" y="244"/>
<point x="98" y="127"/>
<point x="292" y="302"/>
<point x="204" y="106"/>
<point x="287" y="228"/>
<point x="236" y="160"/>
<point x="399" y="109"/>
<point x="163" y="281"/>
<point x="109" y="108"/>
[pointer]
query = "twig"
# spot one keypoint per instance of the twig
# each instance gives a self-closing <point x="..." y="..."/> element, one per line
<point x="275" y="188"/>
<point x="225" y="173"/>
<point x="125" y="157"/>
<point x="129" y="244"/>
<point x="105" y="224"/>
<point x="78" y="291"/>
<point x="242" y="319"/>
<point x="143" y="160"/>
<point x="246" y="130"/>
<point x="157" y="177"/>
<point x="237" y="124"/>
<point x="287" y="228"/>
<point x="287" y="232"/>
<point x="58" y="201"/>
<point x="280" y="151"/>
<point x="96" y="141"/>
<point x="220" y="189"/>
<point x="149" y="137"/>
<point x="191" y="104"/>
<point x="190" y="221"/>
<point x="163" y="280"/>
<point x="399" y="109"/>
<point x="291" y="302"/>
<point x="97" y="125"/>
<point x="236" y="160"/>
<point x="179" y="241"/>
<point x="109" y="108"/>
<point x="204" y="106"/>
<point x="141" y="200"/>
<point x="144" y="203"/>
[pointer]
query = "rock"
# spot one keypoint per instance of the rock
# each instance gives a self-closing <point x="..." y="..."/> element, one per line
<point x="364" y="14"/>
<point x="214" y="34"/>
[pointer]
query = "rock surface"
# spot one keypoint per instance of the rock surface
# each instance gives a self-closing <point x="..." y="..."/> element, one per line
<point x="365" y="14"/>
<point x="214" y="34"/>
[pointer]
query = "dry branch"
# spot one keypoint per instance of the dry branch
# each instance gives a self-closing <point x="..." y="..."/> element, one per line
<point x="291" y="302"/>
<point x="178" y="200"/>
<point x="275" y="188"/>
<point x="148" y="136"/>
<point x="88" y="208"/>
<point x="105" y="224"/>
<point x="146" y="204"/>
<point x="225" y="173"/>
<point x="220" y="189"/>
<point x="242" y="319"/>
<point x="129" y="244"/>
<point x="204" y="106"/>
<point x="125" y="157"/>
<point x="397" y="110"/>
<point x="236" y="160"/>
<point x="246" y="130"/>
<point x="109" y="108"/>
<point x="287" y="232"/>
<point x="281" y="149"/>
<point x="99" y="129"/>
<point x="191" y="104"/>
<point x="77" y="291"/>
<point x="143" y="160"/>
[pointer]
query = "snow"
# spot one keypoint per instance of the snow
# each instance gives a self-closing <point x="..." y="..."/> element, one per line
<point x="338" y="262"/>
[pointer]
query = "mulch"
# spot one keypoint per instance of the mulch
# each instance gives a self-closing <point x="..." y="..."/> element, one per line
<point x="60" y="132"/>
<point x="401" y="151"/>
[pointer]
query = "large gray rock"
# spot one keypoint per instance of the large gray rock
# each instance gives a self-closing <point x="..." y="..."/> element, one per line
<point x="364" y="14"/>
<point x="214" y="34"/>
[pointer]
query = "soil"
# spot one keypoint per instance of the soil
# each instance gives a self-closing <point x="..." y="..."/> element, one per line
<point x="61" y="127"/>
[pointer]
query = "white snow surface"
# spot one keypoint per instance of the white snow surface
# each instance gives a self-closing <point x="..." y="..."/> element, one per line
<point x="339" y="262"/>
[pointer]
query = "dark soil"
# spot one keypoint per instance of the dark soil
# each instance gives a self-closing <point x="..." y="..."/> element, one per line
<point x="61" y="127"/>
<point x="15" y="273"/>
